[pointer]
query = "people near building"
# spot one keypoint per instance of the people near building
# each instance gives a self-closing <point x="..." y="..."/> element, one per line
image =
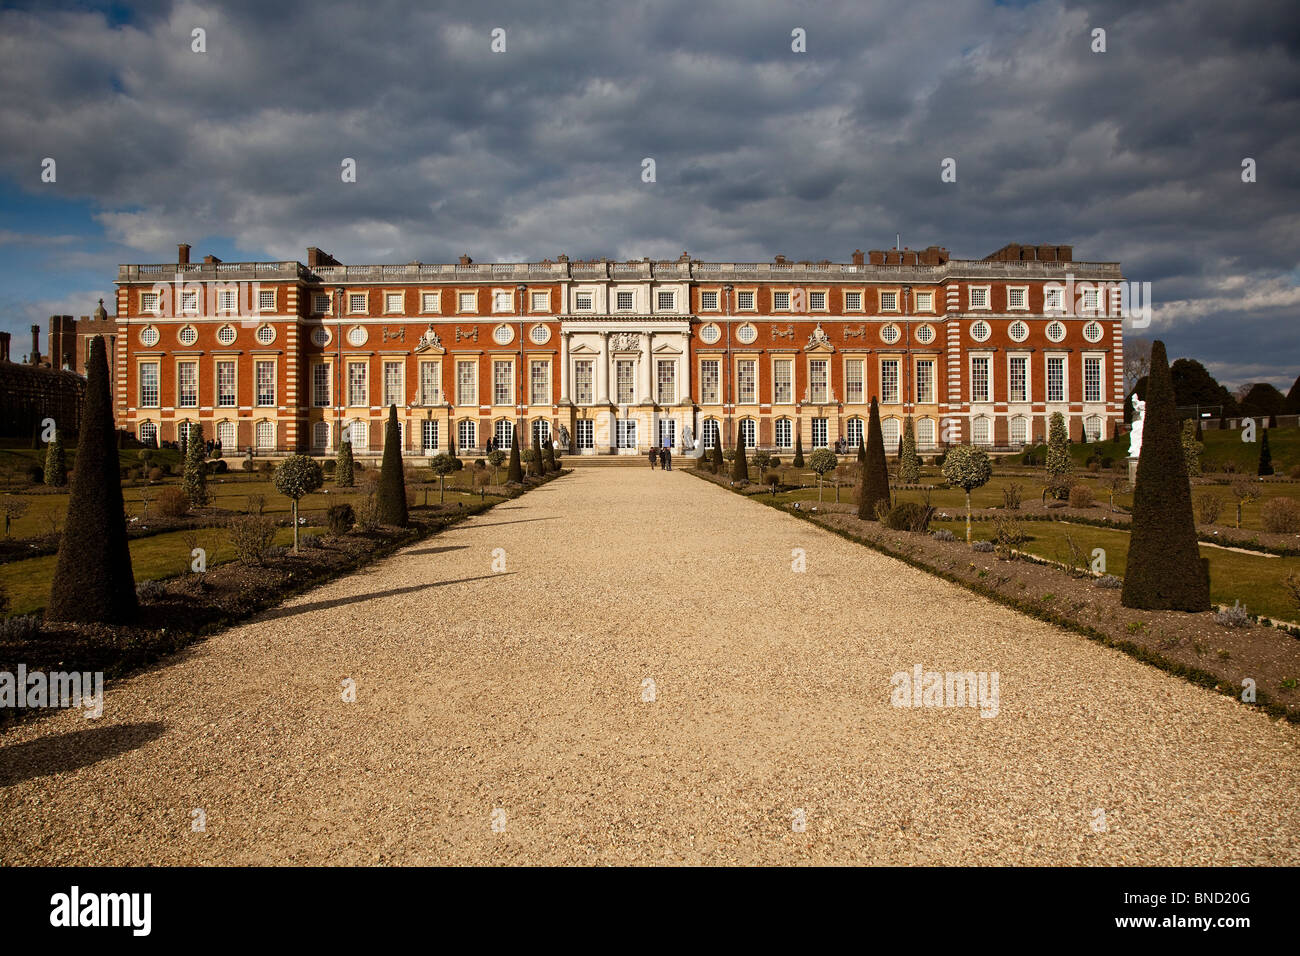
<point x="654" y="456"/>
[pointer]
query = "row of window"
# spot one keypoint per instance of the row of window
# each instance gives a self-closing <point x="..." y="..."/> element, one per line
<point x="926" y="430"/>
<point x="1018" y="378"/>
<point x="227" y="300"/>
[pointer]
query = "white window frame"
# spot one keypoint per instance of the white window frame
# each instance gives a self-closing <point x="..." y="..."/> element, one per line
<point x="717" y="300"/>
<point x="1048" y="358"/>
<point x="862" y="298"/>
<point x="892" y="396"/>
<point x="928" y="307"/>
<point x="262" y="306"/>
<point x="987" y="292"/>
<point x="753" y="300"/>
<point x="1025" y="358"/>
<point x="880" y="298"/>
<point x="389" y="308"/>
<point x="352" y="303"/>
<point x="430" y="301"/>
<point x="1023" y="290"/>
<point x="467" y="294"/>
<point x="985" y="360"/>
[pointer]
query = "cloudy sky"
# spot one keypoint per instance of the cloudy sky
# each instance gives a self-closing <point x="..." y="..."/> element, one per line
<point x="1133" y="154"/>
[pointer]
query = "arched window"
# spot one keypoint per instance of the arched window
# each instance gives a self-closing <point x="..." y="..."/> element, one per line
<point x="320" y="435"/>
<point x="503" y="434"/>
<point x="357" y="432"/>
<point x="784" y="433"/>
<point x="981" y="434"/>
<point x="264" y="435"/>
<point x="890" y="433"/>
<point x="1019" y="430"/>
<point x="466" y="434"/>
<point x="748" y="432"/>
<point x="853" y="433"/>
<point x="541" y="432"/>
<point x="925" y="433"/>
<point x="710" y="433"/>
<point x="1092" y="426"/>
<point x="228" y="435"/>
<point x="149" y="434"/>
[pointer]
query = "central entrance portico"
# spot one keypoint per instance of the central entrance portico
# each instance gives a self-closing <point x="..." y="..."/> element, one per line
<point x="629" y="377"/>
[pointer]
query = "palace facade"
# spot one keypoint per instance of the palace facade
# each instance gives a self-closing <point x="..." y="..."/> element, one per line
<point x="613" y="357"/>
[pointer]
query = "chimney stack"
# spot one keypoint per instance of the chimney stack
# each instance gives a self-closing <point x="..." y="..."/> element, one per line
<point x="36" y="342"/>
<point x="465" y="260"/>
<point x="4" y="346"/>
<point x="858" y="257"/>
<point x="183" y="254"/>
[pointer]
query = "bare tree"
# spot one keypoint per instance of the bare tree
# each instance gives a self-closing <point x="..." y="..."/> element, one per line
<point x="1137" y="361"/>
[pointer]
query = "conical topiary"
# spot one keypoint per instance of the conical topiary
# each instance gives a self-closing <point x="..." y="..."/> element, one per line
<point x="194" y="474"/>
<point x="1165" y="570"/>
<point x="1059" y="463"/>
<point x="909" y="462"/>
<point x="874" y="484"/>
<point x="56" y="463"/>
<point x="797" y="462"/>
<point x="392" y="482"/>
<point x="740" y="466"/>
<point x="717" y="449"/>
<point x="862" y="449"/>
<point x="515" y="473"/>
<point x="344" y="471"/>
<point x="1265" y="456"/>
<point x="93" y="581"/>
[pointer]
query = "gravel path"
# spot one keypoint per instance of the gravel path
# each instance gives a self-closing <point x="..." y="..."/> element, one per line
<point x="516" y="698"/>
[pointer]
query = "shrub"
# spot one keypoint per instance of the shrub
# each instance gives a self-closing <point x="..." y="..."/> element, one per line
<point x="246" y="464"/>
<point x="1209" y="506"/>
<point x="943" y="534"/>
<point x="480" y="463"/>
<point x="729" y="454"/>
<point x="1059" y="462"/>
<point x="968" y="468"/>
<point x="155" y="474"/>
<point x="515" y="472"/>
<point x="939" y="460"/>
<point x="873" y="486"/>
<point x="150" y="590"/>
<point x="1165" y="570"/>
<point x="93" y="580"/>
<point x="266" y="466"/>
<point x="1058" y="488"/>
<point x="1011" y="496"/>
<point x="908" y="516"/>
<point x="774" y="462"/>
<point x="1080" y="496"/>
<point x="822" y="462"/>
<point x="1280" y="515"/>
<point x="220" y="467"/>
<point x="1265" y="457"/>
<point x="1192" y="448"/>
<point x="984" y="547"/>
<point x="194" y="476"/>
<point x="256" y="504"/>
<point x="367" y="512"/>
<point x="1294" y="473"/>
<point x="1008" y="535"/>
<point x="1244" y="490"/>
<point x="297" y="476"/>
<point x="1109" y="581"/>
<point x="1235" y="616"/>
<point x="172" y="503"/>
<point x="35" y="474"/>
<point x="909" y="464"/>
<point x="344" y="466"/>
<point x="251" y="537"/>
<point x="772" y="478"/>
<point x="20" y="627"/>
<point x="329" y="465"/>
<point x="798" y="451"/>
<point x="312" y="541"/>
<point x="340" y="518"/>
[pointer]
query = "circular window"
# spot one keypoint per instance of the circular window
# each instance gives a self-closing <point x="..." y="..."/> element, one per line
<point x="1056" y="331"/>
<point x="710" y="334"/>
<point x="980" y="331"/>
<point x="1093" y="332"/>
<point x="502" y="334"/>
<point x="357" y="335"/>
<point x="320" y="336"/>
<point x="148" y="336"/>
<point x="925" y="334"/>
<point x="188" y="335"/>
<point x="1018" y="331"/>
<point x="226" y="335"/>
<point x="746" y="334"/>
<point x="539" y="334"/>
<point x="265" y="334"/>
<point x="889" y="334"/>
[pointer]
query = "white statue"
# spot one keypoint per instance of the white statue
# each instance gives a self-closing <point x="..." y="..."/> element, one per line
<point x="1135" y="427"/>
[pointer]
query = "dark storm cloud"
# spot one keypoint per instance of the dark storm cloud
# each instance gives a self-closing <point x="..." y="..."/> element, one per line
<point x="1132" y="155"/>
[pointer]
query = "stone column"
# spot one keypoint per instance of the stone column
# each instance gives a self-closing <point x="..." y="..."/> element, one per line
<point x="565" y="397"/>
<point x="647" y="372"/>
<point x="602" y="370"/>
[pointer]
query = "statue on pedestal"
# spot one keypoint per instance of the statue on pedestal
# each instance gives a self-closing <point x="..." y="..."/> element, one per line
<point x="1135" y="427"/>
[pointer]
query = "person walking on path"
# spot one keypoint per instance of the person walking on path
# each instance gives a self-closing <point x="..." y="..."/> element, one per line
<point x="667" y="458"/>
<point x="654" y="457"/>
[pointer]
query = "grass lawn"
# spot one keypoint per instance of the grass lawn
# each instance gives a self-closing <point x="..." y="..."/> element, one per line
<point x="1254" y="580"/>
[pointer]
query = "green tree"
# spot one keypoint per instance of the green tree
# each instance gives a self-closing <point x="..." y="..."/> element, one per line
<point x="496" y="459"/>
<point x="56" y="463"/>
<point x="515" y="473"/>
<point x="551" y="464"/>
<point x="1059" y="463"/>
<point x="1165" y="570"/>
<point x="344" y="473"/>
<point x="443" y="466"/>
<point x="740" y="467"/>
<point x="296" y="476"/>
<point x="1265" y="456"/>
<point x="874" y="482"/>
<point x="194" y="475"/>
<point x="93" y="580"/>
<point x="967" y="467"/>
<point x="391" y="498"/>
<point x="1192" y="448"/>
<point x="797" y="461"/>
<point x="909" y="462"/>
<point x="822" y="461"/>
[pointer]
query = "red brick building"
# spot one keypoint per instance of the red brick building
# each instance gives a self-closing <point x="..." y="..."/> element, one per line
<point x="613" y="357"/>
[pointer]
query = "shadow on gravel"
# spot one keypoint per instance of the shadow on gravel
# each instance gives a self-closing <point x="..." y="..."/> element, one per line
<point x="72" y="751"/>
<point x="450" y="547"/>
<point x="497" y="524"/>
<point x="280" y="612"/>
